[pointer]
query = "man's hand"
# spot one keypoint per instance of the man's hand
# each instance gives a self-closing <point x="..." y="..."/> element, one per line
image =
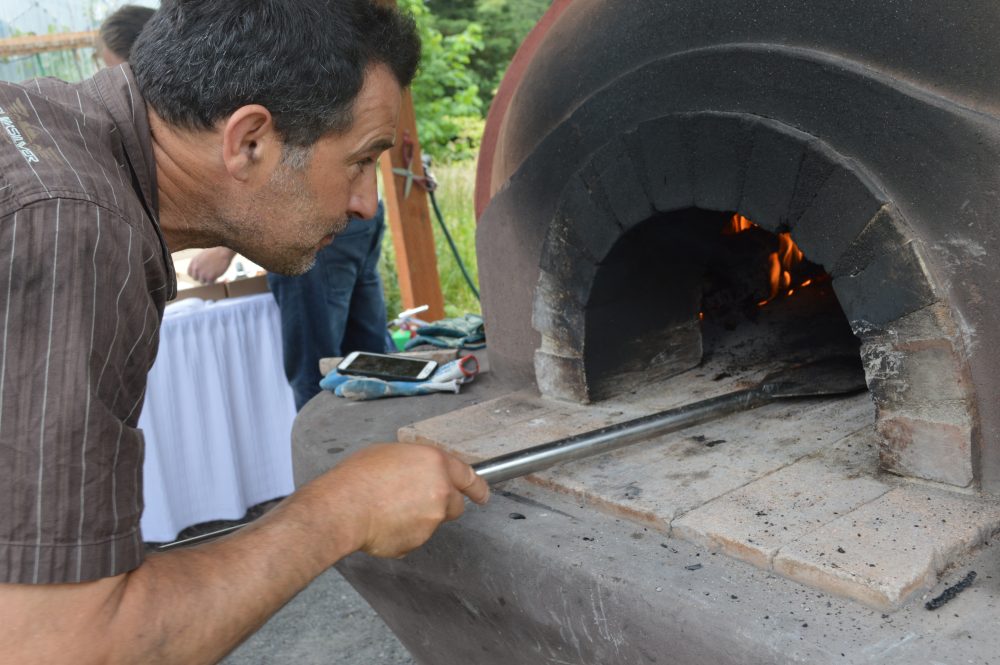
<point x="210" y="264"/>
<point x="398" y="494"/>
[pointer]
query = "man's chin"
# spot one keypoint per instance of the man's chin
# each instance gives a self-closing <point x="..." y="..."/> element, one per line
<point x="289" y="267"/>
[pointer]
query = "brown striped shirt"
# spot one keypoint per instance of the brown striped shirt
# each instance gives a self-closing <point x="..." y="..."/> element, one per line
<point x="84" y="276"/>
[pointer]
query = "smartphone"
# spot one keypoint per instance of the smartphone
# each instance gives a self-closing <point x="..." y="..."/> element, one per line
<point x="382" y="366"/>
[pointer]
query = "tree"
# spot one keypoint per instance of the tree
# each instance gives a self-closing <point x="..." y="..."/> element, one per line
<point x="446" y="90"/>
<point x="505" y="24"/>
<point x="468" y="45"/>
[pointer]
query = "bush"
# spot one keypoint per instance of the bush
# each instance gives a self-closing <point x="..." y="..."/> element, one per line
<point x="446" y="91"/>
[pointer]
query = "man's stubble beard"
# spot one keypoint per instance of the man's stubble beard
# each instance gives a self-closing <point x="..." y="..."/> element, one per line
<point x="287" y="194"/>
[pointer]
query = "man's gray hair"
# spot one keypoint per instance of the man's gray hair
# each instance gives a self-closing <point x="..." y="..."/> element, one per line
<point x="197" y="61"/>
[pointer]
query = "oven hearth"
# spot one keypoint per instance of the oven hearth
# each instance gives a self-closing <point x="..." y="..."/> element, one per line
<point x="776" y="487"/>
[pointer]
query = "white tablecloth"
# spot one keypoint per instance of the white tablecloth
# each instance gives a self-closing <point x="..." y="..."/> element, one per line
<point x="218" y="415"/>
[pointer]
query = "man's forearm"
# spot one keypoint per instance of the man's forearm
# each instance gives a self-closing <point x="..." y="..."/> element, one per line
<point x="193" y="606"/>
<point x="188" y="606"/>
<point x="222" y="592"/>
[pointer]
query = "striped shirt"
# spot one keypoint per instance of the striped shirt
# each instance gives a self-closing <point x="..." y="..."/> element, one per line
<point x="84" y="276"/>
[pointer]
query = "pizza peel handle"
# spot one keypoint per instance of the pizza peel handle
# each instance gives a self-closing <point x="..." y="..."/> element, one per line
<point x="833" y="376"/>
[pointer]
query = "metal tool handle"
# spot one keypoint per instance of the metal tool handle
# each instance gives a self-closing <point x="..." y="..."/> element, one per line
<point x="613" y="437"/>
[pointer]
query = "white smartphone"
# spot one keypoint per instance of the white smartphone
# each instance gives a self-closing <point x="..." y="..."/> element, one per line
<point x="383" y="366"/>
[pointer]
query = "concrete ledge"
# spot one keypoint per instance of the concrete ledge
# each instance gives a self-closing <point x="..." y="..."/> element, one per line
<point x="562" y="582"/>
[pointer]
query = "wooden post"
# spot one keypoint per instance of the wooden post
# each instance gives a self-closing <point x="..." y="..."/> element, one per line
<point x="410" y="220"/>
<point x="410" y="217"/>
<point x="12" y="47"/>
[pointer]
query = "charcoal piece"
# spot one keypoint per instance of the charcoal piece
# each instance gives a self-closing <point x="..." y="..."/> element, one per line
<point x="951" y="592"/>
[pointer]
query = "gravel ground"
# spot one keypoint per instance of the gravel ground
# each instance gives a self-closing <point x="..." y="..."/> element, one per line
<point x="327" y="624"/>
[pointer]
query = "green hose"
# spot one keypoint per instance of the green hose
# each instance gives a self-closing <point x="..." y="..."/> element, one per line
<point x="451" y="243"/>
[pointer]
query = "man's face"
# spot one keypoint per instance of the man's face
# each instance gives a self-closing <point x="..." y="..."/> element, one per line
<point x="301" y="209"/>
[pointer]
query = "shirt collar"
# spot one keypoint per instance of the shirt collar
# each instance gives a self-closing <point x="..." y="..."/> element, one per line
<point x="116" y="88"/>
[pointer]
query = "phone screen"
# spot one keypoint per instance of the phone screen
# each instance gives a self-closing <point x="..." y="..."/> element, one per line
<point x="385" y="366"/>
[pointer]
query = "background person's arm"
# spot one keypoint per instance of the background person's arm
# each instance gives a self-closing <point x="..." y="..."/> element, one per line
<point x="194" y="606"/>
<point x="208" y="265"/>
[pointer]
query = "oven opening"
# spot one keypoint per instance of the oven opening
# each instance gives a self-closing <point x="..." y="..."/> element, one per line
<point x="698" y="287"/>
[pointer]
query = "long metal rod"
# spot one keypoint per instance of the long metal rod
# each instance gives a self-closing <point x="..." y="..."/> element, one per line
<point x="613" y="437"/>
<point x="200" y="538"/>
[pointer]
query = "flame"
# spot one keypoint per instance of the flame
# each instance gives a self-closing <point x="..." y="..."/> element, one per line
<point x="779" y="264"/>
<point x="737" y="224"/>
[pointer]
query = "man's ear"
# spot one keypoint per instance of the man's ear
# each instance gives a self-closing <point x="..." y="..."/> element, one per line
<point x="251" y="147"/>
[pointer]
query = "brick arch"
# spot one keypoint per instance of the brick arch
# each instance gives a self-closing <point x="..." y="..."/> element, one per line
<point x="785" y="180"/>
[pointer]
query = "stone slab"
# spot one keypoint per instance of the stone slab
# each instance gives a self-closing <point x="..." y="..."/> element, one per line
<point x="839" y="212"/>
<point x="621" y="180"/>
<point x="767" y="487"/>
<point x="662" y="149"/>
<point x="584" y="222"/>
<point x="656" y="481"/>
<point x="755" y="521"/>
<point x="771" y="174"/>
<point x="720" y="146"/>
<point x="891" y="548"/>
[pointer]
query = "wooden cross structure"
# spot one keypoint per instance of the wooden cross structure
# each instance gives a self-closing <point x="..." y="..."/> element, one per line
<point x="409" y="216"/>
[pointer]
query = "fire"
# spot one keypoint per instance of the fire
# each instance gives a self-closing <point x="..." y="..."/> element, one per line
<point x="737" y="224"/>
<point x="787" y="257"/>
<point x="780" y="264"/>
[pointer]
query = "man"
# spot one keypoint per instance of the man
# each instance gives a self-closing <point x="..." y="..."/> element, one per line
<point x="252" y="124"/>
<point x="336" y="307"/>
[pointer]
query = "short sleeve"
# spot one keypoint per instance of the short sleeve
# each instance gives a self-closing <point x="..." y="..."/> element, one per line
<point x="78" y="334"/>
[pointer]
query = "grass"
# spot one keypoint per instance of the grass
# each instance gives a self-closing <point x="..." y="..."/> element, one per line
<point x="456" y="183"/>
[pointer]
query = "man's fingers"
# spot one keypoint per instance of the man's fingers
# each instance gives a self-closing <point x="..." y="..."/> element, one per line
<point x="455" y="508"/>
<point x="467" y="482"/>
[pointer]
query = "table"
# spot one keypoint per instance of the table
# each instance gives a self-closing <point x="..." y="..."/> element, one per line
<point x="217" y="417"/>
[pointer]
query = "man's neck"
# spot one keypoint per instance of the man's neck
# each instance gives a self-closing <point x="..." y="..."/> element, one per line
<point x="185" y="186"/>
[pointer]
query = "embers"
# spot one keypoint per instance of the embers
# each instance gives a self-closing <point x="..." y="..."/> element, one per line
<point x="755" y="267"/>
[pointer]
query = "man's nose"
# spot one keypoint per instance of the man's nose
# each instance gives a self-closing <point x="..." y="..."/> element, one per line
<point x="364" y="197"/>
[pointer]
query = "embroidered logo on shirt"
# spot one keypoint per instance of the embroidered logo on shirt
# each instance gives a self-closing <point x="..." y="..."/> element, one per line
<point x="17" y="138"/>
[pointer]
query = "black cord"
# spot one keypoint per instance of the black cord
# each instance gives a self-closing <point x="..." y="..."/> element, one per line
<point x="451" y="243"/>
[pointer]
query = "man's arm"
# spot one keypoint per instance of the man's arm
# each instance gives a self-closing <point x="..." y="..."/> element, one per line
<point x="209" y="265"/>
<point x="193" y="606"/>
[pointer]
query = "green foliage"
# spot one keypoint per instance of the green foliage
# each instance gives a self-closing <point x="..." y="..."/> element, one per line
<point x="456" y="186"/>
<point x="467" y="47"/>
<point x="446" y="91"/>
<point x="390" y="278"/>
<point x="505" y="25"/>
